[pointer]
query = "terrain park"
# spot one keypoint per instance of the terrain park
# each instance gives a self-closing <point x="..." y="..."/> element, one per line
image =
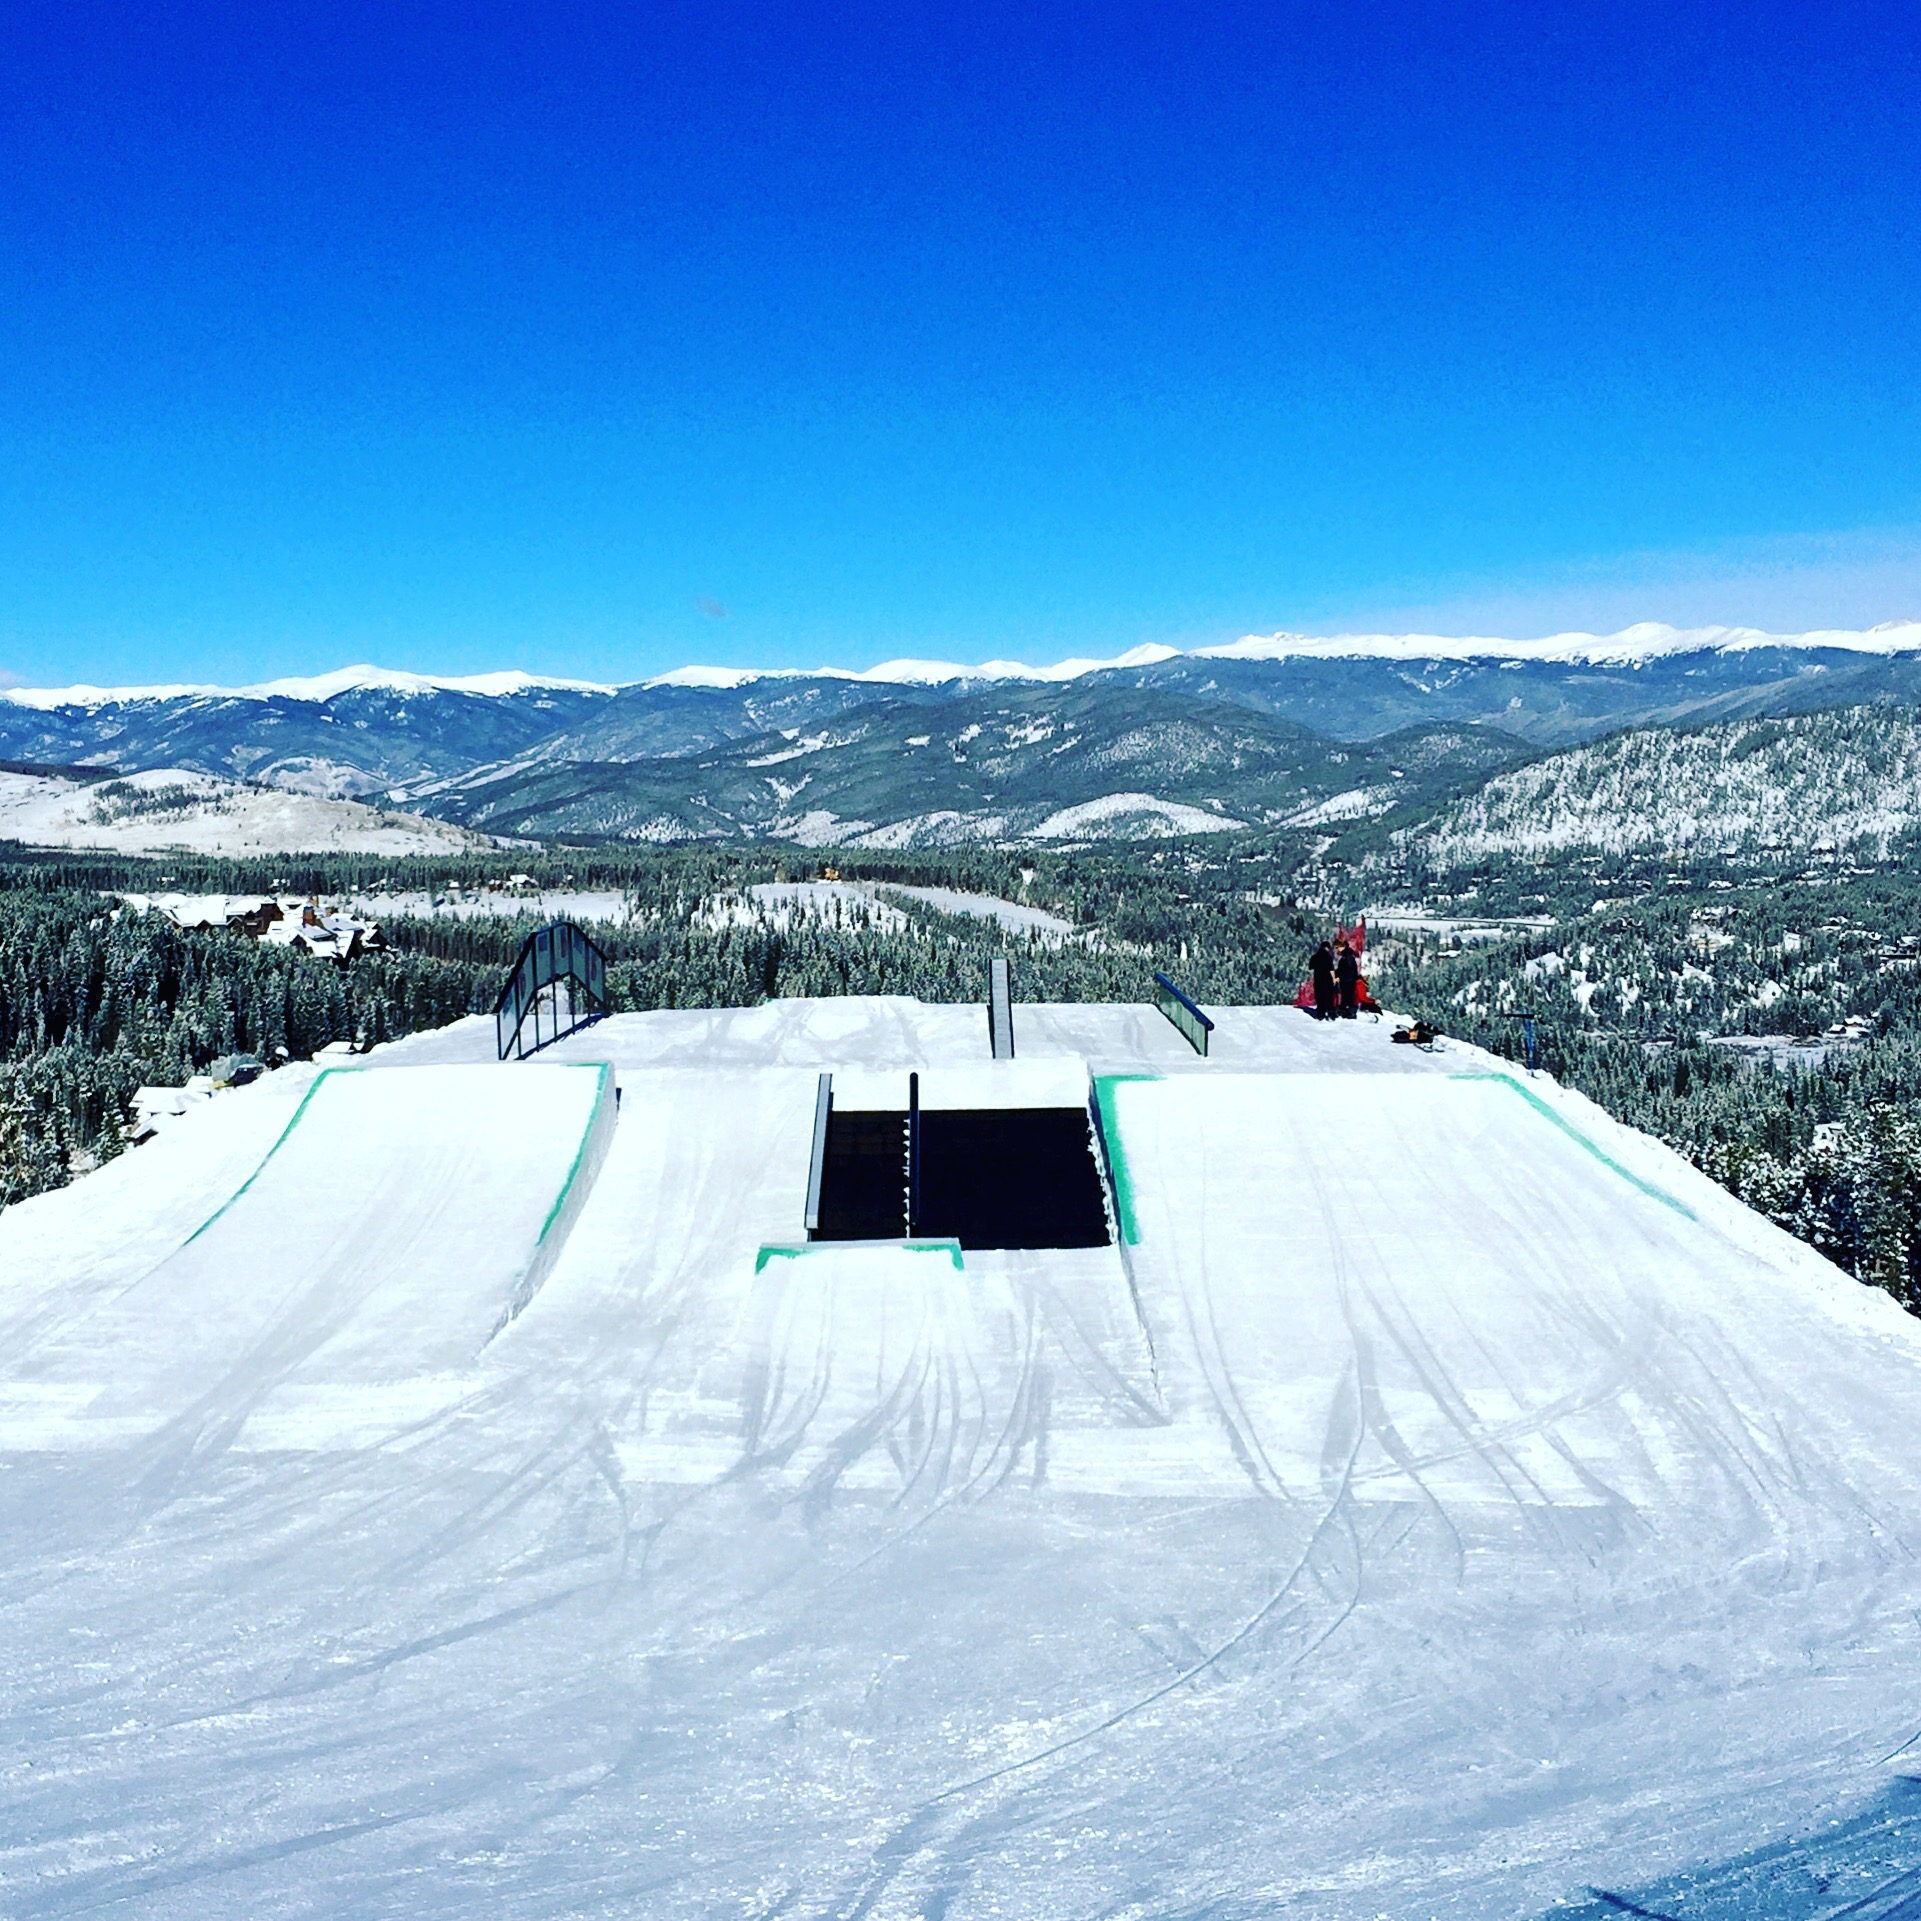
<point x="861" y="1457"/>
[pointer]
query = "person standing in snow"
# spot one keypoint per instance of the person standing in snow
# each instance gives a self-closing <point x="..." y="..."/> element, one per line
<point x="1327" y="1002"/>
<point x="1347" y="976"/>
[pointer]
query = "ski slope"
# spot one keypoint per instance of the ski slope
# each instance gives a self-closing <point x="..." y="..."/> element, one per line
<point x="1438" y="1501"/>
<point x="371" y="1247"/>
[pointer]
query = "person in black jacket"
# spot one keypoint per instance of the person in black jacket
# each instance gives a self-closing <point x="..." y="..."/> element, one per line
<point x="1347" y="977"/>
<point x="1327" y="998"/>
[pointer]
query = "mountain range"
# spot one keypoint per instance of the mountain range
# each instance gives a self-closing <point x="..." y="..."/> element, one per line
<point x="1271" y="732"/>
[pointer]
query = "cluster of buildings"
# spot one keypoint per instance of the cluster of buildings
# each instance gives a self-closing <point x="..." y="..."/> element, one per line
<point x="280" y="921"/>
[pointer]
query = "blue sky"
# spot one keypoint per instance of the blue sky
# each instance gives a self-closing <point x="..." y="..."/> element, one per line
<point x="598" y="339"/>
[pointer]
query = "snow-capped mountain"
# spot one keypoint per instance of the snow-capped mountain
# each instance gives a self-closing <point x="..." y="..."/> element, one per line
<point x="359" y="732"/>
<point x="717" y="750"/>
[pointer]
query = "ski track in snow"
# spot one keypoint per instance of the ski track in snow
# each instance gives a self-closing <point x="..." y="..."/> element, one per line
<point x="1422" y="1517"/>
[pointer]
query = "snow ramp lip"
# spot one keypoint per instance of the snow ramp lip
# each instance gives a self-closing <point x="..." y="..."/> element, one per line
<point x="553" y="1207"/>
<point x="1122" y="1179"/>
<point x="1574" y="1134"/>
<point x="582" y="1171"/>
<point x="280" y="1140"/>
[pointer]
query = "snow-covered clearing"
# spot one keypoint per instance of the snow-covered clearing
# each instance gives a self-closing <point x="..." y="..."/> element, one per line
<point x="1014" y="915"/>
<point x="1398" y="920"/>
<point x="1131" y="814"/>
<point x="171" y="809"/>
<point x="867" y="903"/>
<point x="1443" y="1502"/>
<point x="1358" y="803"/>
<point x="779" y="903"/>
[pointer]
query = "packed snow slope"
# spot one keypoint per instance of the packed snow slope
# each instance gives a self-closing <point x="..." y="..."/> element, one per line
<point x="1440" y="1501"/>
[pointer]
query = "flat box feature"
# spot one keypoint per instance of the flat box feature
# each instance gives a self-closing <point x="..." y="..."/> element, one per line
<point x="994" y="1177"/>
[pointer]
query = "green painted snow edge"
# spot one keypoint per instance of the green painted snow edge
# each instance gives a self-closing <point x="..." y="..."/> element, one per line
<point x="951" y="1248"/>
<point x="602" y="1070"/>
<point x="1125" y="1219"/>
<point x="1573" y="1133"/>
<point x="327" y="1073"/>
<point x="306" y="1100"/>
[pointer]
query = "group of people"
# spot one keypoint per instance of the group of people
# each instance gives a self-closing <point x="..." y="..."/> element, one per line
<point x="1335" y="972"/>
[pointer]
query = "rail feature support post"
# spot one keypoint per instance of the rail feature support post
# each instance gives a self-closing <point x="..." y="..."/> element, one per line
<point x="817" y="1167"/>
<point x="1187" y="1019"/>
<point x="1000" y="1008"/>
<point x="913" y="1155"/>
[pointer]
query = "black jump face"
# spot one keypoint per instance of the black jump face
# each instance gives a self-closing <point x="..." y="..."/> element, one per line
<point x="994" y="1177"/>
<point x="863" y="1183"/>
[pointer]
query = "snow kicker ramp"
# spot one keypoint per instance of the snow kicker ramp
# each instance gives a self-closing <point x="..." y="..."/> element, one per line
<point x="1443" y="1503"/>
<point x="399" y="1220"/>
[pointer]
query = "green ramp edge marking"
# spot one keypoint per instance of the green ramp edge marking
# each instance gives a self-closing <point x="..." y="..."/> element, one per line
<point x="306" y="1101"/>
<point x="1104" y="1085"/>
<point x="602" y="1069"/>
<point x="1573" y="1133"/>
<point x="951" y="1248"/>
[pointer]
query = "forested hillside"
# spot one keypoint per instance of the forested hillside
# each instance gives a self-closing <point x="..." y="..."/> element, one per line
<point x="1845" y="779"/>
<point x="1086" y="762"/>
<point x="1770" y="1032"/>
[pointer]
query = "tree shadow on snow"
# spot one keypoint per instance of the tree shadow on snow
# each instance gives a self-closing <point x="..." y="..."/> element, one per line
<point x="1867" y="1868"/>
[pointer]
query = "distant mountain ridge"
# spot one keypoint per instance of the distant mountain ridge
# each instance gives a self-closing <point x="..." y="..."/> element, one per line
<point x="1631" y="646"/>
<point x="1261" y="732"/>
<point x="1086" y="761"/>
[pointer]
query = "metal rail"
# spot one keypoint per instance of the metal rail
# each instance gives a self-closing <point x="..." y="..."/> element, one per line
<point x="817" y="1166"/>
<point x="1188" y="1020"/>
<point x="1000" y="1008"/>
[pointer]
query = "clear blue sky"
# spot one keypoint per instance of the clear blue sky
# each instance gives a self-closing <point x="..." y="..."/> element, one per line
<point x="461" y="337"/>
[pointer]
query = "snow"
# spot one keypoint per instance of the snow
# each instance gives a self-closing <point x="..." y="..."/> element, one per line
<point x="1357" y="803"/>
<point x="1648" y="640"/>
<point x="868" y="901"/>
<point x="172" y="808"/>
<point x="779" y="902"/>
<point x="315" y="687"/>
<point x="1405" y="920"/>
<point x="349" y="1255"/>
<point x="915" y="673"/>
<point x="1810" y="782"/>
<point x="1015" y="916"/>
<point x="1132" y="814"/>
<point x="1448" y="1503"/>
<point x="944" y="827"/>
<point x="541" y="904"/>
<point x="1645" y="641"/>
